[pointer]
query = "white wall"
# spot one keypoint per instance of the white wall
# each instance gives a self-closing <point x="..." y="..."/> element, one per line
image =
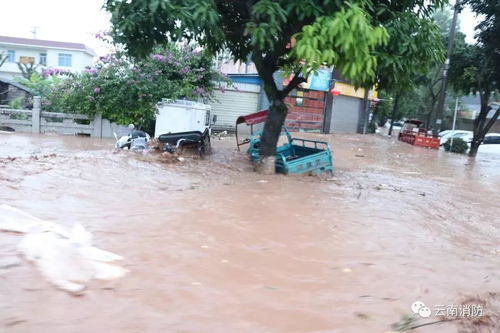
<point x="79" y="59"/>
<point x="10" y="70"/>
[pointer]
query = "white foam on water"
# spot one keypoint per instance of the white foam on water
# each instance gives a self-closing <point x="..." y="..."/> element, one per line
<point x="65" y="258"/>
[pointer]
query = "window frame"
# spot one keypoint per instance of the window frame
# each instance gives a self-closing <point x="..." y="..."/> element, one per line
<point x="11" y="55"/>
<point x="66" y="57"/>
<point x="492" y="140"/>
<point x="42" y="55"/>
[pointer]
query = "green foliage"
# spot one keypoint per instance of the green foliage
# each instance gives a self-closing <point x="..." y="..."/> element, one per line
<point x="459" y="146"/>
<point x="44" y="86"/>
<point x="469" y="73"/>
<point x="127" y="91"/>
<point x="443" y="19"/>
<point x="488" y="34"/>
<point x="424" y="78"/>
<point x="415" y="45"/>
<point x="40" y="85"/>
<point x="476" y="68"/>
<point x="27" y="70"/>
<point x="372" y="127"/>
<point x="17" y="103"/>
<point x="383" y="109"/>
<point x="294" y="35"/>
<point x="412" y="105"/>
<point x="346" y="39"/>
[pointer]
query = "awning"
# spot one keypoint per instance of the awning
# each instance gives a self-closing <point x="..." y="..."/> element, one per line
<point x="253" y="118"/>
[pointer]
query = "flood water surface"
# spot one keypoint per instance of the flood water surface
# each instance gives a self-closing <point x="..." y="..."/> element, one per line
<point x="212" y="246"/>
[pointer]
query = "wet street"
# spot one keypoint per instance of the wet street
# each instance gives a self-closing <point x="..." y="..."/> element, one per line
<point x="212" y="246"/>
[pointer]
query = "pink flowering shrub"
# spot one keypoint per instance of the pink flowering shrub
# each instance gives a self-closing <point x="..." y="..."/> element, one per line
<point x="127" y="90"/>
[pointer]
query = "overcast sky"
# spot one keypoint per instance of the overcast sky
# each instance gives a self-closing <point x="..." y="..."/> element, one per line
<point x="61" y="20"/>
<point x="79" y="21"/>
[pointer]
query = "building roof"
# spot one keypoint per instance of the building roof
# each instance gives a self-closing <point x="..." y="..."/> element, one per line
<point x="46" y="43"/>
<point x="15" y="84"/>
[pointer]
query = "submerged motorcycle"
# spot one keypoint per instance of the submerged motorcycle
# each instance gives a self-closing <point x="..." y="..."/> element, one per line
<point x="135" y="140"/>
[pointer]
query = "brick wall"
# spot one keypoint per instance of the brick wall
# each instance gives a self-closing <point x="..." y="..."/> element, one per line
<point x="310" y="114"/>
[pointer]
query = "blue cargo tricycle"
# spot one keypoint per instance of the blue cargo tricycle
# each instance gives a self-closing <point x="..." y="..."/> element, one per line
<point x="297" y="156"/>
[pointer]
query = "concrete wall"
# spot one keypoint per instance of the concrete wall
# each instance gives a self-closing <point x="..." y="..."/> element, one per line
<point x="38" y="121"/>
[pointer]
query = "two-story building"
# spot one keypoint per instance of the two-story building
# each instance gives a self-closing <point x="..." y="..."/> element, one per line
<point x="45" y="53"/>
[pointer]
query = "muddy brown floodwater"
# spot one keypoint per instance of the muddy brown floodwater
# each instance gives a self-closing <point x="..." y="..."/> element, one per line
<point x="213" y="247"/>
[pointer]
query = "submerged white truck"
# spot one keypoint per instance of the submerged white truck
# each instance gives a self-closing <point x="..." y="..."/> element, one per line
<point x="184" y="123"/>
<point x="179" y="124"/>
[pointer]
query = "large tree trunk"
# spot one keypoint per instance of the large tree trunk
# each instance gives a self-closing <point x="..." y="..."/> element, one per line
<point x="266" y="66"/>
<point x="480" y="133"/>
<point x="481" y="126"/>
<point x="474" y="146"/>
<point x="478" y="130"/>
<point x="428" y="120"/>
<point x="270" y="136"/>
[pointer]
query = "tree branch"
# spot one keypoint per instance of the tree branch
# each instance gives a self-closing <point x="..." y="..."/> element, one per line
<point x="481" y="118"/>
<point x="492" y="120"/>
<point x="294" y="83"/>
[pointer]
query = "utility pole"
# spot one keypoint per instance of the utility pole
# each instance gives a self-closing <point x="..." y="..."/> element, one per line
<point x="451" y="42"/>
<point x="34" y="31"/>
<point x="366" y="110"/>
<point x="394" y="108"/>
<point x="454" y="122"/>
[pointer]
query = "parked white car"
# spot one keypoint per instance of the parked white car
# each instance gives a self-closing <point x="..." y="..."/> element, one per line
<point x="490" y="145"/>
<point x="445" y="135"/>
<point x="492" y="139"/>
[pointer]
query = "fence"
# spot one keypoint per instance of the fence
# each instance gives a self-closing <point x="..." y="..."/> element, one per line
<point x="38" y="121"/>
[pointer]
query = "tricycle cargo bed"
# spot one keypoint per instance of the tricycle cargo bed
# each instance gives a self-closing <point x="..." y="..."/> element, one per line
<point x="299" y="158"/>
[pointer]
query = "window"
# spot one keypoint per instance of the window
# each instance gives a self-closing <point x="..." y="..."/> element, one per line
<point x="299" y="100"/>
<point x="65" y="59"/>
<point x="11" y="56"/>
<point x="492" y="139"/>
<point x="43" y="59"/>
